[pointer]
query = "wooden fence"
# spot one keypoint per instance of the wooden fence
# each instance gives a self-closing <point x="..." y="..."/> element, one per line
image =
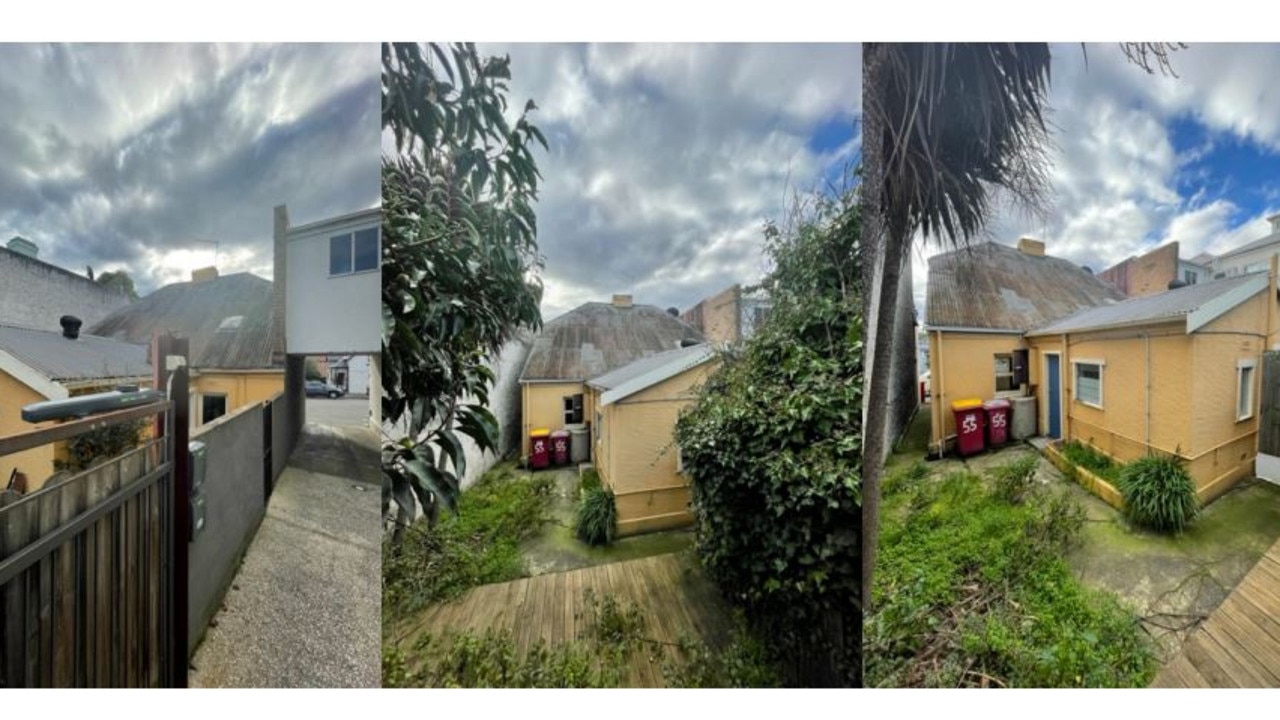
<point x="87" y="569"/>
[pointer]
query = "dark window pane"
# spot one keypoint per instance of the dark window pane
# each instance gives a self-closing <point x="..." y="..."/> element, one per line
<point x="367" y="249"/>
<point x="340" y="255"/>
<point x="215" y="406"/>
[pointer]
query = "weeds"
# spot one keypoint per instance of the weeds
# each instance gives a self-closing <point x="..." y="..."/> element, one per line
<point x="613" y="633"/>
<point x="475" y="546"/>
<point x="974" y="591"/>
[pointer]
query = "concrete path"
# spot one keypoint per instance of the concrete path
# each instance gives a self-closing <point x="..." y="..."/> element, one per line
<point x="305" y="607"/>
<point x="349" y="410"/>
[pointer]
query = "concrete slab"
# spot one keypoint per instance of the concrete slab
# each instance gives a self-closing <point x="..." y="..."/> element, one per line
<point x="305" y="607"/>
<point x="346" y="411"/>
<point x="557" y="548"/>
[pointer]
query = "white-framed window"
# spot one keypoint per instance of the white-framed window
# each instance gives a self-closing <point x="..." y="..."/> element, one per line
<point x="1246" y="370"/>
<point x="599" y="424"/>
<point x="353" y="252"/>
<point x="1088" y="382"/>
<point x="1004" y="373"/>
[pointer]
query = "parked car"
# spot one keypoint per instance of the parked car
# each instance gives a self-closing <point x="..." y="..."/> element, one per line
<point x="318" y="388"/>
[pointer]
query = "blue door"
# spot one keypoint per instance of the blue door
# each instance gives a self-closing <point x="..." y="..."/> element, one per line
<point x="1055" y="395"/>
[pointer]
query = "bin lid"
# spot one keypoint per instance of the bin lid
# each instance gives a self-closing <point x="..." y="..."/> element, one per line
<point x="1025" y="399"/>
<point x="560" y="434"/>
<point x="966" y="404"/>
<point x="997" y="404"/>
<point x="539" y="432"/>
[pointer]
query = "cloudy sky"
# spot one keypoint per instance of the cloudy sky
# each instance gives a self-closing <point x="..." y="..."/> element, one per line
<point x="665" y="160"/>
<point x="1141" y="160"/>
<point x="129" y="156"/>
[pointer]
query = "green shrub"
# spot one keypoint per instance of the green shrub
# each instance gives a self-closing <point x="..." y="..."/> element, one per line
<point x="597" y="517"/>
<point x="475" y="546"/>
<point x="1078" y="453"/>
<point x="903" y="479"/>
<point x="1011" y="481"/>
<point x="1158" y="493"/>
<point x="589" y="480"/>
<point x="106" y="442"/>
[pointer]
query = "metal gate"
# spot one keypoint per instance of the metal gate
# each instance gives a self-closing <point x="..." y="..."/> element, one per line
<point x="1268" y="465"/>
<point x="93" y="576"/>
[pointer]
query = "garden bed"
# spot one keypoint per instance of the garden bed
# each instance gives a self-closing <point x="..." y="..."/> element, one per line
<point x="1095" y="483"/>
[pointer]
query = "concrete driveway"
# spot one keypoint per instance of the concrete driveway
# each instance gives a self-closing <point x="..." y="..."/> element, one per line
<point x="346" y="411"/>
<point x="305" y="607"/>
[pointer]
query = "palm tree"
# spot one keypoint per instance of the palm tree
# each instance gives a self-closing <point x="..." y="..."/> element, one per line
<point x="946" y="128"/>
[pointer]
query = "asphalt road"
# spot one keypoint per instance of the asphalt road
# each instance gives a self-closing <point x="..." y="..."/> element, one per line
<point x="348" y="411"/>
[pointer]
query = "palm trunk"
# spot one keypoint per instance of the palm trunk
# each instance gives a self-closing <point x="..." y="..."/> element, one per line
<point x="884" y="254"/>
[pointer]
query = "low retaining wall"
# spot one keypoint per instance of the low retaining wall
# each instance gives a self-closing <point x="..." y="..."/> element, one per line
<point x="1206" y="491"/>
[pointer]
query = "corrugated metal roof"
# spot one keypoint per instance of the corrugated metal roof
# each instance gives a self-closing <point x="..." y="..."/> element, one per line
<point x="994" y="286"/>
<point x="649" y="371"/>
<point x="596" y="337"/>
<point x="85" y="358"/>
<point x="198" y="311"/>
<point x="1166" y="306"/>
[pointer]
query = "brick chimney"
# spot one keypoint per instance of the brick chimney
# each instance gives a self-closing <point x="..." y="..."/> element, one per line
<point x="1031" y="246"/>
<point x="204" y="274"/>
<point x="622" y="301"/>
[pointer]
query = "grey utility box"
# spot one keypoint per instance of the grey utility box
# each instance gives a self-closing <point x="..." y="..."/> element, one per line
<point x="1024" y="417"/>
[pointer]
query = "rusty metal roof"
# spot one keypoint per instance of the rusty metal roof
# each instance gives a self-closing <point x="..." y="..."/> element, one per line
<point x="59" y="358"/>
<point x="205" y="313"/>
<point x="993" y="286"/>
<point x="596" y="337"/>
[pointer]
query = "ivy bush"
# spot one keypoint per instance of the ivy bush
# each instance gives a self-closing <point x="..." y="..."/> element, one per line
<point x="597" y="521"/>
<point x="773" y="449"/>
<point x="1158" y="493"/>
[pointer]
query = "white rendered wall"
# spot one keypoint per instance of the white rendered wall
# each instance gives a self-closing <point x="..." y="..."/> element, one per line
<point x="331" y="315"/>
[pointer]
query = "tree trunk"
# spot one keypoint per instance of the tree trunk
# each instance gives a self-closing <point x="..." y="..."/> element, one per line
<point x="884" y="255"/>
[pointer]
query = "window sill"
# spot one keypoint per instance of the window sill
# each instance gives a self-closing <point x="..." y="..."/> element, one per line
<point x="1089" y="404"/>
<point x="1245" y="418"/>
<point x="357" y="272"/>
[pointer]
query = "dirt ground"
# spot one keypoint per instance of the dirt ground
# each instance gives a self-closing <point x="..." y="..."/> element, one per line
<point x="1172" y="582"/>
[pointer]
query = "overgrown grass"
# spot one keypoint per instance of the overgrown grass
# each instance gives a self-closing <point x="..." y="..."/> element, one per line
<point x="973" y="590"/>
<point x="1085" y="456"/>
<point x="475" y="546"/>
<point x="613" y="634"/>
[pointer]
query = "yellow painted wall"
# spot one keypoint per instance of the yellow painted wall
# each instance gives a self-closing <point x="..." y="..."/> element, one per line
<point x="637" y="457"/>
<point x="1192" y="396"/>
<point x="543" y="407"/>
<point x="241" y="389"/>
<point x="36" y="463"/>
<point x="963" y="367"/>
<point x="1123" y="425"/>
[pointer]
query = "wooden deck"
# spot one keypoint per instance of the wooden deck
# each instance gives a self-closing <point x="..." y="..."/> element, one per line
<point x="1239" y="644"/>
<point x="676" y="599"/>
